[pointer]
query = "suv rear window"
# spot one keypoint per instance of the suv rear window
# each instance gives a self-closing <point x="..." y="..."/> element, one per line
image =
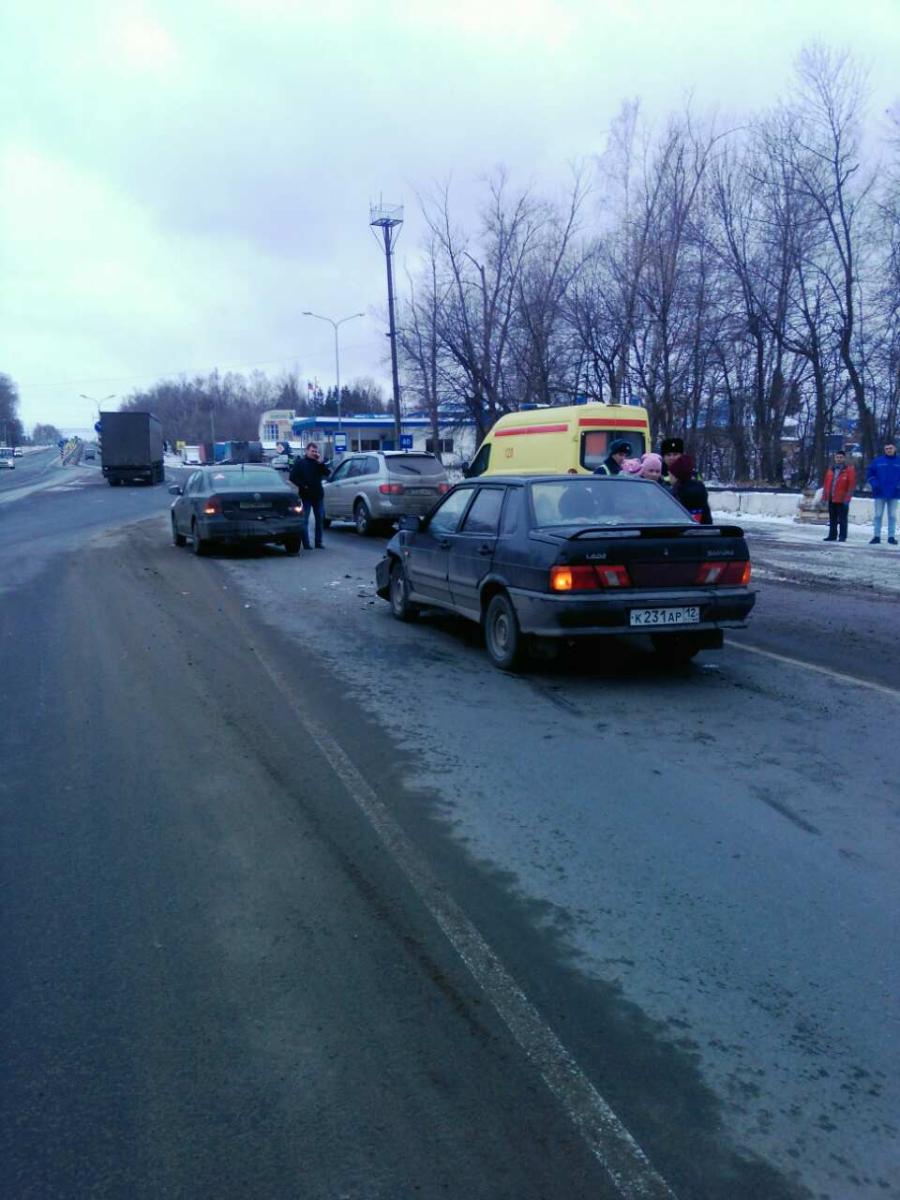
<point x="414" y="464"/>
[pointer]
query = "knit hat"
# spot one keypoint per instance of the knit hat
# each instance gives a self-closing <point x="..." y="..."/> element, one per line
<point x="632" y="466"/>
<point x="682" y="468"/>
<point x="653" y="461"/>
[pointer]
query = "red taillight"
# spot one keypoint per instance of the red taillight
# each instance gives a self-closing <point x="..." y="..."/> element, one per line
<point x="588" y="578"/>
<point x="213" y="507"/>
<point x="443" y="487"/>
<point x="391" y="489"/>
<point x="731" y="573"/>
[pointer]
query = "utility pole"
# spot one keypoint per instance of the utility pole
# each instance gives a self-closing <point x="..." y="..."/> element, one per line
<point x="387" y="218"/>
<point x="337" y="356"/>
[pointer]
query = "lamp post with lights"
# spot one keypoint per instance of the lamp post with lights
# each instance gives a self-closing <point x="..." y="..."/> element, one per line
<point x="337" y="358"/>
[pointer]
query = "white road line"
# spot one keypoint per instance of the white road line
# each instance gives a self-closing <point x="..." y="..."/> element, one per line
<point x="799" y="662"/>
<point x="606" y="1136"/>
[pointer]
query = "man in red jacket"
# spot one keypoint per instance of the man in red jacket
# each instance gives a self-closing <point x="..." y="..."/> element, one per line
<point x="838" y="488"/>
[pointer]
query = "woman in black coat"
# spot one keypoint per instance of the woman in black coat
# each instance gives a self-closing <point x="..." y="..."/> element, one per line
<point x="690" y="491"/>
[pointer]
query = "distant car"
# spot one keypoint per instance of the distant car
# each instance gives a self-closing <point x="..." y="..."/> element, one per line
<point x="90" y="454"/>
<point x="233" y="505"/>
<point x="562" y="557"/>
<point x="7" y="458"/>
<point x="281" y="462"/>
<point x="17" y="452"/>
<point x="374" y="490"/>
<point x="191" y="456"/>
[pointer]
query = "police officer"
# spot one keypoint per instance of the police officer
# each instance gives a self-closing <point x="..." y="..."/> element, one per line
<point x="619" y="450"/>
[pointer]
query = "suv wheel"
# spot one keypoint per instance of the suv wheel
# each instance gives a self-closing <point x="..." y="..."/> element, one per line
<point x="502" y="637"/>
<point x="362" y="518"/>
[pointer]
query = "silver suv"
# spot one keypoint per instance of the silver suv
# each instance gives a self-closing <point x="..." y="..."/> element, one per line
<point x="376" y="488"/>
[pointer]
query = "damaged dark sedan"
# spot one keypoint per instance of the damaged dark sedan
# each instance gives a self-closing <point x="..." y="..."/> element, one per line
<point x="566" y="557"/>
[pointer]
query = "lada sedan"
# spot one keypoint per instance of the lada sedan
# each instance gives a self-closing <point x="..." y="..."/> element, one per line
<point x="564" y="557"/>
<point x="235" y="505"/>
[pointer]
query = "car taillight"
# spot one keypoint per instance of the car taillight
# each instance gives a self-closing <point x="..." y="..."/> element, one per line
<point x="584" y="578"/>
<point x="733" y="573"/>
<point x="391" y="489"/>
<point x="443" y="487"/>
<point x="213" y="507"/>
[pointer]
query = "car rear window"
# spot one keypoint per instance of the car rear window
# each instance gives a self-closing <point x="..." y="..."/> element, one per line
<point x="604" y="502"/>
<point x="240" y="478"/>
<point x="414" y="464"/>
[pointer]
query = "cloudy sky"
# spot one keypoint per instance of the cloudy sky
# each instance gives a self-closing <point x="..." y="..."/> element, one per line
<point x="179" y="182"/>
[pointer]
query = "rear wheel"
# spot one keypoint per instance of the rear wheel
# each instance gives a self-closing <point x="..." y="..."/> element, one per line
<point x="178" y="538"/>
<point x="502" y="636"/>
<point x="200" y="546"/>
<point x="363" y="519"/>
<point x="291" y="545"/>
<point x="675" y="649"/>
<point x="400" y="605"/>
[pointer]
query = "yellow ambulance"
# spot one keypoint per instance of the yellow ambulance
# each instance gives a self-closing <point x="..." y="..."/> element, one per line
<point x="557" y="441"/>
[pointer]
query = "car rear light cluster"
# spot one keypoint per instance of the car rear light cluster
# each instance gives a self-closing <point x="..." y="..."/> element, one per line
<point x="586" y="578"/>
<point x="443" y="487"/>
<point x="589" y="577"/>
<point x="213" y="507"/>
<point x="391" y="489"/>
<point x="731" y="573"/>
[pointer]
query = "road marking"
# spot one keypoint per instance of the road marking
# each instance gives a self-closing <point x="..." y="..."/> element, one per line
<point x="799" y="662"/>
<point x="606" y="1136"/>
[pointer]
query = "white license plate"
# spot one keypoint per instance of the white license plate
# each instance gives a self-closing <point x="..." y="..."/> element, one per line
<point x="419" y="492"/>
<point x="254" y="504"/>
<point x="665" y="616"/>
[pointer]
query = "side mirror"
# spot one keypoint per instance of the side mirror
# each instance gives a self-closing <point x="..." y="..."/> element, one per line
<point x="410" y="523"/>
<point x="464" y="467"/>
<point x="175" y="490"/>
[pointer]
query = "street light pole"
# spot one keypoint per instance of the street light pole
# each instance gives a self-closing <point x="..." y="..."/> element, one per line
<point x="337" y="357"/>
<point x="94" y="400"/>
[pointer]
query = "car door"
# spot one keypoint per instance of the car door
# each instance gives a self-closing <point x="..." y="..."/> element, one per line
<point x="182" y="508"/>
<point x="472" y="549"/>
<point x="336" y="497"/>
<point x="427" y="551"/>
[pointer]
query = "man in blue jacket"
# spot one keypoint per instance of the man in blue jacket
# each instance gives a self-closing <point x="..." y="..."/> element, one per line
<point x="883" y="477"/>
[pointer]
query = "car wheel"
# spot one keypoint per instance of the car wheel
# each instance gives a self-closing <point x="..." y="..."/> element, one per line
<point x="675" y="649"/>
<point x="292" y="545"/>
<point x="400" y="605"/>
<point x="362" y="518"/>
<point x="200" y="546"/>
<point x="502" y="637"/>
<point x="178" y="538"/>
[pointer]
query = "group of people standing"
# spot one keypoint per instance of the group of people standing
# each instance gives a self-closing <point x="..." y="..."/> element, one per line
<point x="882" y="476"/>
<point x="671" y="468"/>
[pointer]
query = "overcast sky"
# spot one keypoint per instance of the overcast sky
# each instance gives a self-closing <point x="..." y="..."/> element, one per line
<point x="179" y="181"/>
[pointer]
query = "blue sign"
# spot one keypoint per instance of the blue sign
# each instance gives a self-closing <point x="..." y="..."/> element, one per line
<point x="406" y="441"/>
<point x="340" y="443"/>
<point x="98" y="427"/>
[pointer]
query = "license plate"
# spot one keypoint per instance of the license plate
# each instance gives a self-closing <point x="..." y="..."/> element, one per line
<point x="665" y="616"/>
<point x="419" y="492"/>
<point x="254" y="504"/>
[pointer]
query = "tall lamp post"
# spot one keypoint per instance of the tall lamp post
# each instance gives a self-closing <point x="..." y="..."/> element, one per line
<point x="94" y="400"/>
<point x="337" y="356"/>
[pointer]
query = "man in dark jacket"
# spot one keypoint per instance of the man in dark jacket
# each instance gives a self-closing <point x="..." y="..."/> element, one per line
<point x="883" y="477"/>
<point x="306" y="475"/>
<point x="618" y="452"/>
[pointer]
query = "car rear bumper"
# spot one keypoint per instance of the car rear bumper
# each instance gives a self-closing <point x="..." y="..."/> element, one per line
<point x="596" y="615"/>
<point x="273" y="529"/>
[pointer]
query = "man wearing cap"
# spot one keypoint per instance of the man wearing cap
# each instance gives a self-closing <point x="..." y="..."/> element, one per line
<point x="619" y="450"/>
<point x="670" y="449"/>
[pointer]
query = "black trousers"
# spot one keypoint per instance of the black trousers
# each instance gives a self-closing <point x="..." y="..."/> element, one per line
<point x="837" y="520"/>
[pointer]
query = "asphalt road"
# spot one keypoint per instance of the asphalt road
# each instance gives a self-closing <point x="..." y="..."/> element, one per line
<point x="305" y="902"/>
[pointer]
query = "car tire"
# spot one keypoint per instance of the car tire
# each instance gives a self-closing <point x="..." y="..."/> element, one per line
<point x="362" y="519"/>
<point x="673" y="649"/>
<point x="502" y="636"/>
<point x="200" y="545"/>
<point x="178" y="538"/>
<point x="291" y="545"/>
<point x="401" y="608"/>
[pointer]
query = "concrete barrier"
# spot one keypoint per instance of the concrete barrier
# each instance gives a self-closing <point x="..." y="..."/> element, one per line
<point x="781" y="504"/>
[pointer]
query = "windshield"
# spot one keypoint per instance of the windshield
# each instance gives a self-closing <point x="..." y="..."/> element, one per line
<point x="414" y="464"/>
<point x="244" y="478"/>
<point x="604" y="502"/>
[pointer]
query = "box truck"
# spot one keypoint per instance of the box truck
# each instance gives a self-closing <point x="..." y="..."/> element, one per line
<point x="131" y="447"/>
